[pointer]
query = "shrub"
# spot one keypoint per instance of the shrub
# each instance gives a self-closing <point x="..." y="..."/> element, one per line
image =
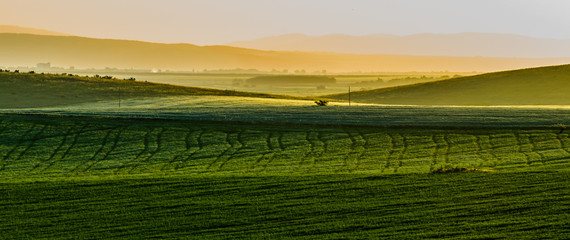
<point x="322" y="102"/>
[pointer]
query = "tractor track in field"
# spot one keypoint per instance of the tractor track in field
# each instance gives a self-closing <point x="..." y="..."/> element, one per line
<point x="276" y="151"/>
<point x="74" y="142"/>
<point x="535" y="149"/>
<point x="447" y="148"/>
<point x="441" y="150"/>
<point x="4" y="127"/>
<point x="50" y="161"/>
<point x="397" y="149"/>
<point x="200" y="146"/>
<point x="106" y="154"/>
<point x="30" y="143"/>
<point x="493" y="159"/>
<point x="17" y="145"/>
<point x="231" y="152"/>
<point x="403" y="149"/>
<point x="561" y="141"/>
<point x="522" y="147"/>
<point x="129" y="162"/>
<point x="390" y="152"/>
<point x="77" y="168"/>
<point x="307" y="153"/>
<point x="189" y="150"/>
<point x="318" y="152"/>
<point x="357" y="149"/>
<point x="222" y="153"/>
<point x="268" y="153"/>
<point x="85" y="148"/>
<point x="151" y="153"/>
<point x="366" y="146"/>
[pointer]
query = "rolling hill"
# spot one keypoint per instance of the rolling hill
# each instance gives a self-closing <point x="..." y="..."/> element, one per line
<point x="80" y="52"/>
<point x="27" y="90"/>
<point x="535" y="86"/>
<point x="460" y="44"/>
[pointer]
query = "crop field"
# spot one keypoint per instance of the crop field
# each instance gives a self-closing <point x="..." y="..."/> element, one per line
<point x="268" y="110"/>
<point x="523" y="205"/>
<point x="205" y="164"/>
<point x="37" y="147"/>
<point x="92" y="177"/>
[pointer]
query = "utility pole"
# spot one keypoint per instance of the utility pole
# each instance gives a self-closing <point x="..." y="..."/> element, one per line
<point x="349" y="96"/>
<point x="119" y="97"/>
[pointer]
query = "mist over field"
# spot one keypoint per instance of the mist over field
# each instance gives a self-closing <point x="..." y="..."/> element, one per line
<point x="256" y="119"/>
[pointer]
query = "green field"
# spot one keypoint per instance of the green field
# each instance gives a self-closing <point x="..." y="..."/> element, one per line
<point x="34" y="147"/>
<point x="25" y="90"/>
<point x="128" y="178"/>
<point x="533" y="86"/>
<point x="239" y="81"/>
<point x="193" y="163"/>
<point x="523" y="205"/>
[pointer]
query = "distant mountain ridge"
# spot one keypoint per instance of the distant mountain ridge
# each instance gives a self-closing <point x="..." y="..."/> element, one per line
<point x="460" y="44"/>
<point x="27" y="30"/>
<point x="81" y="52"/>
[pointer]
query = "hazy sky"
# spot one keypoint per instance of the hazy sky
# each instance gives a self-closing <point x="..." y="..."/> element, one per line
<point x="221" y="21"/>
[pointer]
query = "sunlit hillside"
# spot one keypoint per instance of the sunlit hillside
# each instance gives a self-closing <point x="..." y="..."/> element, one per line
<point x="24" y="90"/>
<point x="536" y="86"/>
<point x="80" y="52"/>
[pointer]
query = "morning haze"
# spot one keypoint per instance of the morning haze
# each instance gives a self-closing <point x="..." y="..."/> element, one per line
<point x="256" y="119"/>
<point x="220" y="22"/>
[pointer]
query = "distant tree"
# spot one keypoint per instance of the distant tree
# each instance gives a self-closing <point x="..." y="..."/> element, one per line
<point x="31" y="72"/>
<point x="322" y="102"/>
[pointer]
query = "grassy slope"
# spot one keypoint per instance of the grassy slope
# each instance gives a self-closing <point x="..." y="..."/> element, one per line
<point x="104" y="178"/>
<point x="536" y="86"/>
<point x="20" y="90"/>
<point x="39" y="147"/>
<point x="531" y="205"/>
<point x="28" y="50"/>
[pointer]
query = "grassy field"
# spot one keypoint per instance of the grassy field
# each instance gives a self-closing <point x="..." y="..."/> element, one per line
<point x="84" y="177"/>
<point x="239" y="81"/>
<point x="169" y="165"/>
<point x="533" y="86"/>
<point x="66" y="147"/>
<point x="21" y="90"/>
<point x="39" y="147"/>
<point x="524" y="205"/>
<point x="268" y="110"/>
